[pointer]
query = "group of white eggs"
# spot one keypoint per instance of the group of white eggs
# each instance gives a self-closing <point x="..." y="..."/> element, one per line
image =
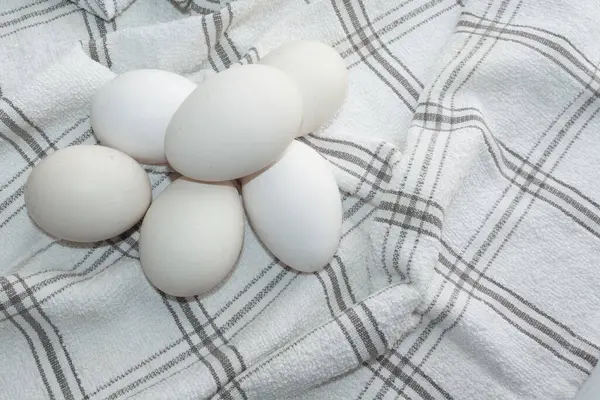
<point x="233" y="131"/>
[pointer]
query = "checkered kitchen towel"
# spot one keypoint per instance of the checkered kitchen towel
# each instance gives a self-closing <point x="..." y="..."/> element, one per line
<point x="467" y="155"/>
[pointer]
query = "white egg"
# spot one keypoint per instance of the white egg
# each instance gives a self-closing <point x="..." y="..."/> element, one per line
<point x="191" y="236"/>
<point x="321" y="75"/>
<point x="87" y="193"/>
<point x="131" y="112"/>
<point x="234" y="124"/>
<point x="295" y="208"/>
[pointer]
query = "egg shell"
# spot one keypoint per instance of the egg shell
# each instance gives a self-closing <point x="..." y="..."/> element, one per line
<point x="321" y="75"/>
<point x="295" y="208"/>
<point x="234" y="124"/>
<point x="87" y="193"/>
<point x="191" y="236"/>
<point x="131" y="112"/>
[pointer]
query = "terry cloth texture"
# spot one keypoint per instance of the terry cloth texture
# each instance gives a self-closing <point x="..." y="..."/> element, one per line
<point x="467" y="155"/>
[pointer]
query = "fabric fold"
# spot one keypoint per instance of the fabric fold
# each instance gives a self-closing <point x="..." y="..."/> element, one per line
<point x="467" y="266"/>
<point x="105" y="9"/>
<point x="345" y="300"/>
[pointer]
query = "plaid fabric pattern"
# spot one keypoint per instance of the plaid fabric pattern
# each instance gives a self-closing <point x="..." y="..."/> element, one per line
<point x="465" y="155"/>
<point x="105" y="9"/>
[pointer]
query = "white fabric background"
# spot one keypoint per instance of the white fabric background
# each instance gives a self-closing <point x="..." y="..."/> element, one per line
<point x="467" y="157"/>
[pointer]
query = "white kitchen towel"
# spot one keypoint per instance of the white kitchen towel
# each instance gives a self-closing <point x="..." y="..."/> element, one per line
<point x="466" y="155"/>
<point x="105" y="9"/>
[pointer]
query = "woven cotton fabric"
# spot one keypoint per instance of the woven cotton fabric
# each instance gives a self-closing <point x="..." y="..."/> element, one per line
<point x="467" y="156"/>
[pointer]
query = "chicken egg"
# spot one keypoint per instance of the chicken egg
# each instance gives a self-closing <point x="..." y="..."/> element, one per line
<point x="87" y="193"/>
<point x="131" y="112"/>
<point x="234" y="124"/>
<point x="321" y="75"/>
<point x="191" y="236"/>
<point x="295" y="208"/>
